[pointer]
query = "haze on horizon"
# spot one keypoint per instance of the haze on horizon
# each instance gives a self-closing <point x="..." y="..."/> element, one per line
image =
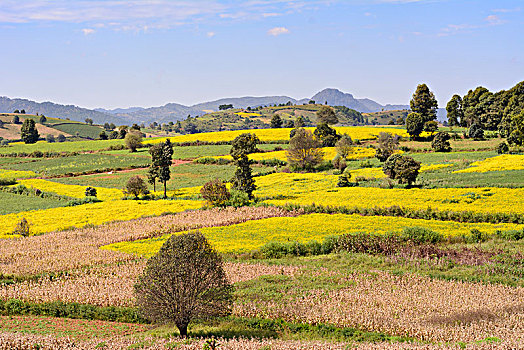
<point x="114" y="54"/>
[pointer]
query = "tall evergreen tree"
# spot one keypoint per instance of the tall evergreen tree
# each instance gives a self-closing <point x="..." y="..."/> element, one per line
<point x="243" y="179"/>
<point x="154" y="169"/>
<point x="424" y="103"/>
<point x="28" y="132"/>
<point x="454" y="111"/>
<point x="164" y="162"/>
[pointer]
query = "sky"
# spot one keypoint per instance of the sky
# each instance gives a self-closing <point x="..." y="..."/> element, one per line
<point x="116" y="53"/>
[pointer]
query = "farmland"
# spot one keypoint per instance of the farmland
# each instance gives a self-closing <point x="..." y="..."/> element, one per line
<point x="376" y="264"/>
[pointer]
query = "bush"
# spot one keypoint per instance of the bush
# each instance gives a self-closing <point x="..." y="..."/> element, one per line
<point x="23" y="228"/>
<point x="502" y="148"/>
<point x="476" y="132"/>
<point x="238" y="199"/>
<point x="387" y="144"/>
<point x="61" y="138"/>
<point x="339" y="162"/>
<point x="404" y="169"/>
<point x="215" y="193"/>
<point x="50" y="138"/>
<point x="7" y="182"/>
<point x="136" y="186"/>
<point x="441" y="143"/>
<point x="90" y="192"/>
<point x="420" y="235"/>
<point x="81" y="201"/>
<point x="133" y="140"/>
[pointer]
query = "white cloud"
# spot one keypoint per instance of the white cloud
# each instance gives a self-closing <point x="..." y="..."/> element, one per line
<point x="88" y="31"/>
<point x="210" y="34"/>
<point x="494" y="20"/>
<point x="278" y="31"/>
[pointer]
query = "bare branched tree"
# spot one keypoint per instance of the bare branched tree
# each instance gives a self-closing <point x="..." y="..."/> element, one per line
<point x="184" y="281"/>
<point x="304" y="150"/>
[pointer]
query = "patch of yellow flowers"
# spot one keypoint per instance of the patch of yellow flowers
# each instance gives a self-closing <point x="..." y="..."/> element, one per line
<point x="320" y="189"/>
<point x="282" y="134"/>
<point x="53" y="219"/>
<point x="498" y="163"/>
<point x="74" y="191"/>
<point x="16" y="174"/>
<point x="252" y="235"/>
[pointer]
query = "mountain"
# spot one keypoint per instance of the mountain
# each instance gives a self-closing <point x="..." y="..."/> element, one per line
<point x="119" y="110"/>
<point x="50" y="109"/>
<point x="176" y="111"/>
<point x="335" y="97"/>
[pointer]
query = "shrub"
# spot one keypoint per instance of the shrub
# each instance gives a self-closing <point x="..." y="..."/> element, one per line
<point x="304" y="150"/>
<point x="387" y="144"/>
<point x="215" y="193"/>
<point x="339" y="162"/>
<point x="185" y="280"/>
<point x="61" y="138"/>
<point x="502" y="148"/>
<point x="420" y="235"/>
<point x="133" y="140"/>
<point x="90" y="192"/>
<point x="404" y="169"/>
<point x="23" y="228"/>
<point x="50" y="138"/>
<point x="344" y="146"/>
<point x="136" y="186"/>
<point x="476" y="132"/>
<point x="238" y="199"/>
<point x="441" y="143"/>
<point x="7" y="182"/>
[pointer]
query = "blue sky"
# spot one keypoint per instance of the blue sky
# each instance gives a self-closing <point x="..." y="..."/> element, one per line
<point x="148" y="53"/>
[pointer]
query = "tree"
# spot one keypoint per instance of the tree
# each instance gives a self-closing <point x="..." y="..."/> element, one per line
<point x="16" y="119"/>
<point x="28" y="132"/>
<point x="243" y="145"/>
<point x="476" y="132"/>
<point x="327" y="115"/>
<point x="154" y="168"/>
<point x="387" y="145"/>
<point x="185" y="280"/>
<point x="344" y="146"/>
<point x="414" y="124"/>
<point x="404" y="169"/>
<point x="112" y="126"/>
<point x="431" y="126"/>
<point x="90" y="191"/>
<point x="1" y="124"/>
<point x="514" y="129"/>
<point x="276" y="121"/>
<point x="163" y="163"/>
<point x="304" y="150"/>
<point x="441" y="143"/>
<point x="89" y="121"/>
<point x="122" y="133"/>
<point x="299" y="122"/>
<point x="136" y="186"/>
<point x="16" y="111"/>
<point x="215" y="193"/>
<point x="424" y="103"/>
<point x="224" y="107"/>
<point x="50" y="138"/>
<point x="113" y="135"/>
<point x="22" y="111"/>
<point x="454" y="111"/>
<point x="133" y="140"/>
<point x="42" y="119"/>
<point x="102" y="135"/>
<point x="327" y="135"/>
<point x="61" y="138"/>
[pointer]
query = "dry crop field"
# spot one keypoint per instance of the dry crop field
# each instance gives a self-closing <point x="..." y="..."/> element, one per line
<point x="374" y="265"/>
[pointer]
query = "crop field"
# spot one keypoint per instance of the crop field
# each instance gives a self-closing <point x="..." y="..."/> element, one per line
<point x="82" y="130"/>
<point x="374" y="265"/>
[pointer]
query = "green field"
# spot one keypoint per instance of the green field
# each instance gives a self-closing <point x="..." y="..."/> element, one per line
<point x="76" y="146"/>
<point x="81" y="163"/>
<point x="15" y="203"/>
<point x="79" y="129"/>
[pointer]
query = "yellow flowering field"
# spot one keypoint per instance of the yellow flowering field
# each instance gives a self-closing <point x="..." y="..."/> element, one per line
<point x="329" y="154"/>
<point x="252" y="235"/>
<point x="306" y="189"/>
<point x="16" y="174"/>
<point x="248" y="114"/>
<point x="75" y="191"/>
<point x="53" y="219"/>
<point x="498" y="163"/>
<point x="282" y="134"/>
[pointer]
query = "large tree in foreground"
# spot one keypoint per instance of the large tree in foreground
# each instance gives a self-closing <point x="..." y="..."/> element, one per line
<point x="184" y="281"/>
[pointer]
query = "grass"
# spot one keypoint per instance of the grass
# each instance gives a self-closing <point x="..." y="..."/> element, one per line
<point x="75" y="146"/>
<point x="16" y="160"/>
<point x="457" y="145"/>
<point x="79" y="163"/>
<point x="83" y="130"/>
<point x="183" y="175"/>
<point x="14" y="203"/>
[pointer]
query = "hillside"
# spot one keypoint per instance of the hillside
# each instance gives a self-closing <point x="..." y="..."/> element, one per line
<point x="52" y="126"/>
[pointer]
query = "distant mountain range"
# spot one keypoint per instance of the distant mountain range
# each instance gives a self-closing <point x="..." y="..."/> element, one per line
<point x="175" y="111"/>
